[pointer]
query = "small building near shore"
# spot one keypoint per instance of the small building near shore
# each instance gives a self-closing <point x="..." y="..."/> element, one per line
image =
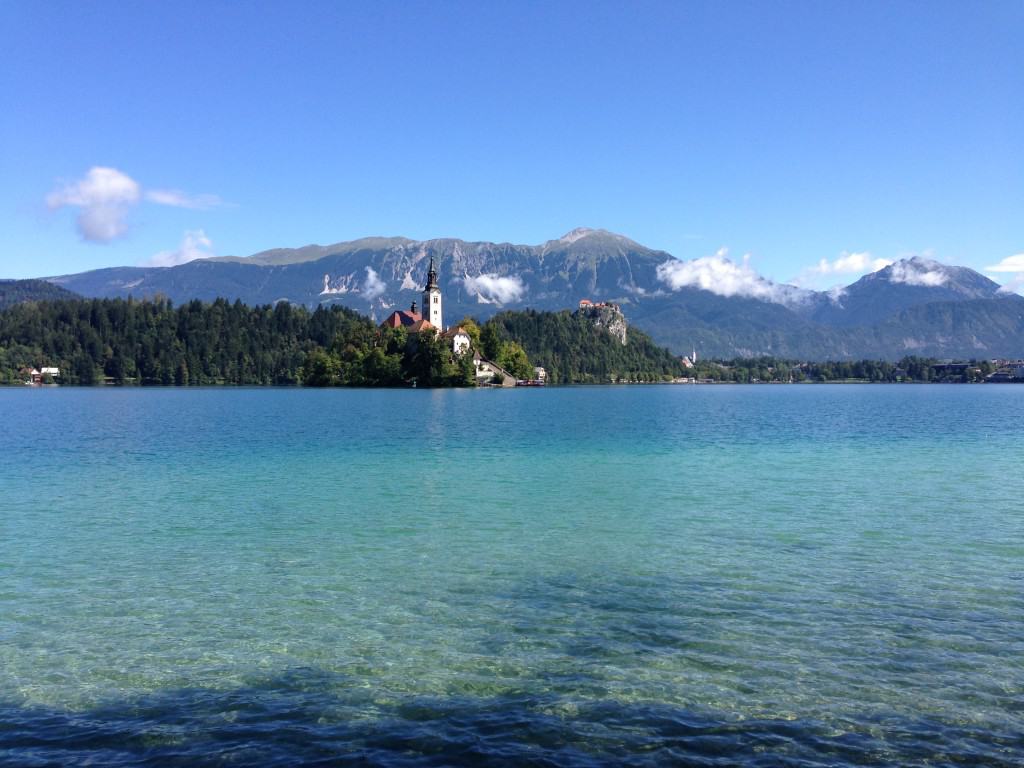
<point x="459" y="338"/>
<point x="488" y="372"/>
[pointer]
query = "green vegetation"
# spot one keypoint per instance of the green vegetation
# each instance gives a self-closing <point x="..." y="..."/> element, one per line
<point x="572" y="350"/>
<point x="770" y="369"/>
<point x="17" y="291"/>
<point x="122" y="341"/>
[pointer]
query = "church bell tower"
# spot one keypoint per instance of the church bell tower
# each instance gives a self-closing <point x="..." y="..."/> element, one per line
<point x="432" y="299"/>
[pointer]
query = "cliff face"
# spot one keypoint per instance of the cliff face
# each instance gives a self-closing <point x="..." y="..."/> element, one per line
<point x="610" y="318"/>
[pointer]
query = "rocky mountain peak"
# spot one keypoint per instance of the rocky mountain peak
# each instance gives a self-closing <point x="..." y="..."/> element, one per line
<point x="920" y="271"/>
<point x="576" y="234"/>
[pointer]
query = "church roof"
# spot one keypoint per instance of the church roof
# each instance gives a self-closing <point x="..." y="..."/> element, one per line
<point x="401" y="317"/>
<point x="420" y="325"/>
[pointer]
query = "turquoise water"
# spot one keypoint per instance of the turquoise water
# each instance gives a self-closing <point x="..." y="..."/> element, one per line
<point x="802" y="575"/>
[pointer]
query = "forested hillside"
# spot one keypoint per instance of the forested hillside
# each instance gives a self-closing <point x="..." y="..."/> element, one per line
<point x="17" y="291"/>
<point x="573" y="350"/>
<point x="152" y="342"/>
<point x="122" y="341"/>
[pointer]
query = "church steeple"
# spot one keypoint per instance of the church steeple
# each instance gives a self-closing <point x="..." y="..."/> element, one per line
<point x="432" y="298"/>
<point x="431" y="276"/>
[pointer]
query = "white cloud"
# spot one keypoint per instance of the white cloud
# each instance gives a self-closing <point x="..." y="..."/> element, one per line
<point x="719" y="274"/>
<point x="1016" y="285"/>
<point x="374" y="286"/>
<point x="850" y="263"/>
<point x="917" y="271"/>
<point x="846" y="263"/>
<point x="1013" y="263"/>
<point x="178" y="199"/>
<point x="836" y="293"/>
<point x="104" y="197"/>
<point x="194" y="245"/>
<point x="493" y="289"/>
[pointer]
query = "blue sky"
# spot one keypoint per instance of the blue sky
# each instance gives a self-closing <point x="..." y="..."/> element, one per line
<point x="790" y="131"/>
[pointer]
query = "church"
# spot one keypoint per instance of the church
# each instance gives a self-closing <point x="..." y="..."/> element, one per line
<point x="431" y="319"/>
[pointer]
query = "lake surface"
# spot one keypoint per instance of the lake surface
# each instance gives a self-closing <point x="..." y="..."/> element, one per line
<point x="763" y="575"/>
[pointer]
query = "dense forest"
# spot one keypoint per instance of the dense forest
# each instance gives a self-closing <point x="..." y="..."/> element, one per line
<point x="572" y="350"/>
<point x="123" y="341"/>
<point x="17" y="291"/>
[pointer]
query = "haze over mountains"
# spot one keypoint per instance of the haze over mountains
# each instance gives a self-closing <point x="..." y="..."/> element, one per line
<point x="719" y="306"/>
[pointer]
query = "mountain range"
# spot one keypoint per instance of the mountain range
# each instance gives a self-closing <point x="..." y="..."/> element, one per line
<point x="720" y="307"/>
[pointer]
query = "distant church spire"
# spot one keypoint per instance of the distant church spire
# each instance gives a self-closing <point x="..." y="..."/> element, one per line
<point x="432" y="299"/>
<point x="431" y="276"/>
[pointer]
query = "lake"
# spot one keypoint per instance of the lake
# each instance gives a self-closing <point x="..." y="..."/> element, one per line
<point x="753" y="575"/>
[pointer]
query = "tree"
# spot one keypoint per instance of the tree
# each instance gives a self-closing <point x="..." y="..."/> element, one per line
<point x="491" y="341"/>
<point x="84" y="370"/>
<point x="513" y="359"/>
<point x="321" y="370"/>
<point x="466" y="371"/>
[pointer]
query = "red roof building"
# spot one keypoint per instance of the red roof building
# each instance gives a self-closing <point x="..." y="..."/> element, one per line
<point x="421" y="325"/>
<point x="410" y="319"/>
<point x="402" y="317"/>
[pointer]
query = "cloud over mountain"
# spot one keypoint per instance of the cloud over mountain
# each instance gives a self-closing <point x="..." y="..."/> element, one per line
<point x="374" y="286"/>
<point x="849" y="263"/>
<point x="194" y="245"/>
<point x="1013" y="265"/>
<point x="721" y="275"/>
<point x="918" y="271"/>
<point x="494" y="289"/>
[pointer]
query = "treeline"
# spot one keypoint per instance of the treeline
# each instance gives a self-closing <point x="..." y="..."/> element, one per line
<point x="122" y="341"/>
<point x="770" y="369"/>
<point x="152" y="342"/>
<point x="573" y="351"/>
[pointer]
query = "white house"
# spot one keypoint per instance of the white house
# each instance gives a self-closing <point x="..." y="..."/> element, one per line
<point x="460" y="340"/>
